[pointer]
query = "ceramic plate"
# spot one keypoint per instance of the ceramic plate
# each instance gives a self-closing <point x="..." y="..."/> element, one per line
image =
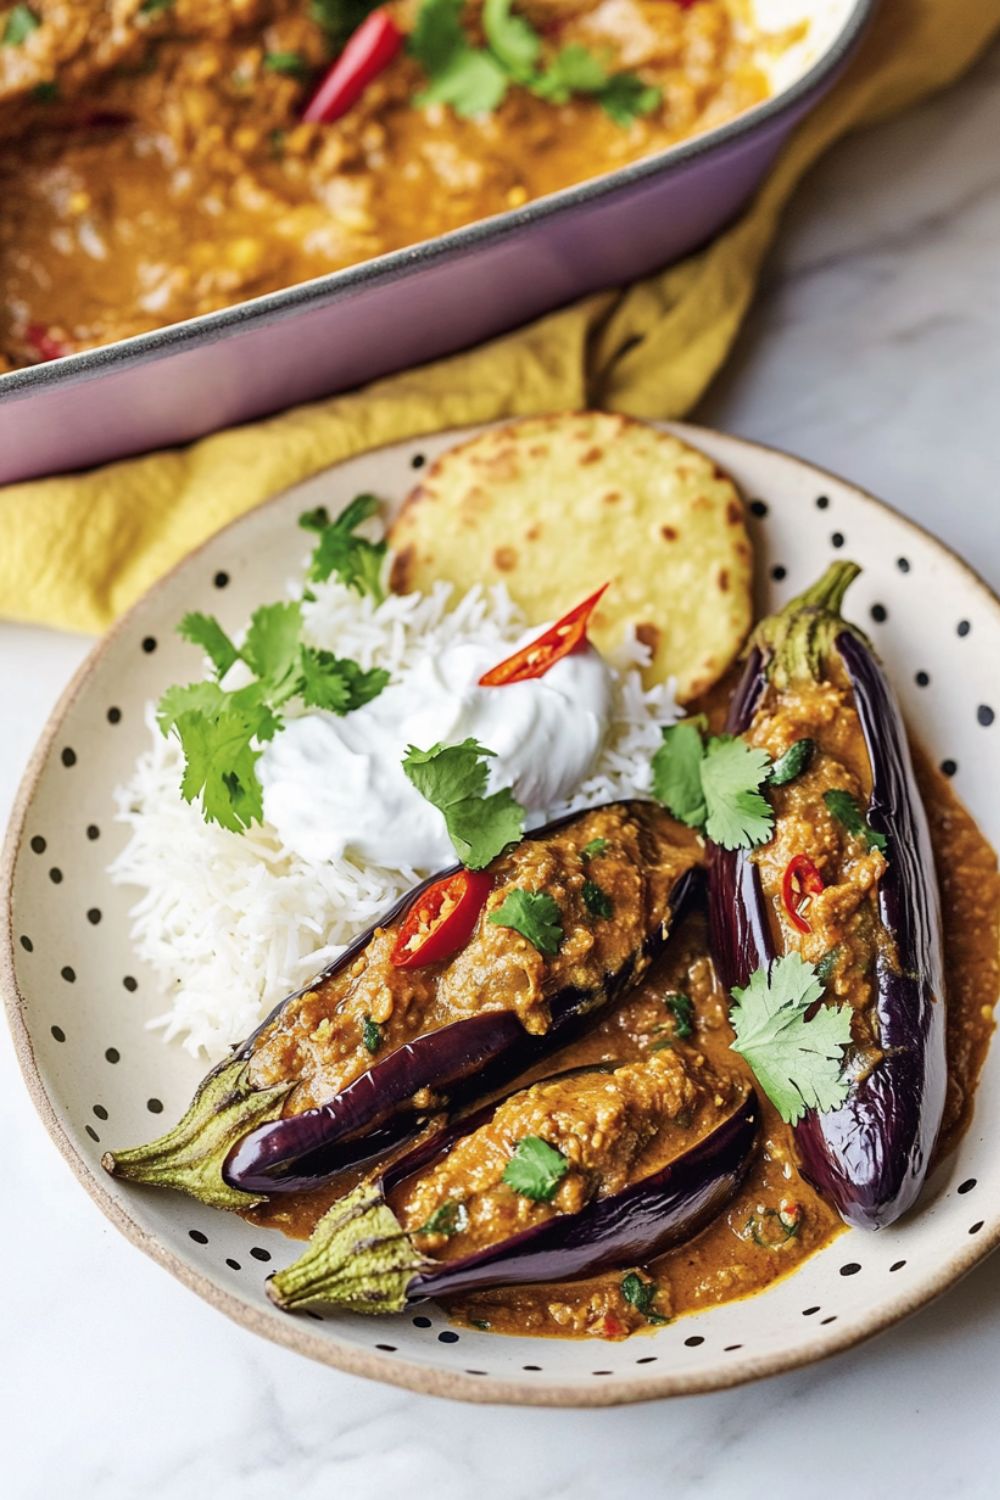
<point x="78" y="999"/>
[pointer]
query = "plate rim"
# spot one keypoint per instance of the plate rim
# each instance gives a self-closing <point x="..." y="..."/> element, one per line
<point x="291" y="1333"/>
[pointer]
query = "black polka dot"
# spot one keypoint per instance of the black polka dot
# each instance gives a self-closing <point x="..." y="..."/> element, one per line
<point x="421" y="1322"/>
<point x="758" y="507"/>
<point x="778" y="572"/>
<point x="985" y="715"/>
<point x="390" y="1349"/>
<point x="221" y="580"/>
<point x="155" y="1106"/>
<point x="729" y="1349"/>
<point x="693" y="1341"/>
<point x="233" y="1265"/>
<point x="822" y="502"/>
<point x="879" y="614"/>
<point x="55" y="875"/>
<point x="807" y="1312"/>
<point x="647" y="1359"/>
<point x="836" y="539"/>
<point x="850" y="1269"/>
<point x="417" y="461"/>
<point x="149" y="644"/>
<point x="976" y="1227"/>
<point x="197" y="1236"/>
<point x="114" y="715"/>
<point x="130" y="984"/>
<point x="27" y="944"/>
<point x="92" y="1132"/>
<point x="93" y="832"/>
<point x="468" y="1372"/>
<point x="68" y="974"/>
<point x="100" y="1112"/>
<point x="449" y="1336"/>
<point x="949" y="767"/>
<point x="316" y="1317"/>
<point x="38" y="844"/>
<point x="259" y="1254"/>
<point x="897" y="1265"/>
<point x="903" y="564"/>
<point x="922" y="679"/>
<point x="113" y="1055"/>
<point x="58" y="1033"/>
<point x="962" y="628"/>
<point x="94" y="915"/>
<point x="967" y="1185"/>
<point x="69" y="756"/>
<point x="824" y="1321"/>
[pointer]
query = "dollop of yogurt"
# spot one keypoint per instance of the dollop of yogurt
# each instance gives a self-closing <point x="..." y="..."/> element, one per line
<point x="336" y="785"/>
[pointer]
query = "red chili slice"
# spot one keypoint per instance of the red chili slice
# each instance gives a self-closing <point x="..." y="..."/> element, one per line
<point x="43" y="342"/>
<point x="801" y="869"/>
<point x="441" y="919"/>
<point x="368" y="53"/>
<point x="535" y="659"/>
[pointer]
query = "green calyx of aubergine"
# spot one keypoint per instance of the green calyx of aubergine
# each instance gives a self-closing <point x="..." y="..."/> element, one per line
<point x="798" y="641"/>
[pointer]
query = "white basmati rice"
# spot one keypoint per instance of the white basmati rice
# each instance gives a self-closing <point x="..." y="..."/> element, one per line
<point x="229" y="923"/>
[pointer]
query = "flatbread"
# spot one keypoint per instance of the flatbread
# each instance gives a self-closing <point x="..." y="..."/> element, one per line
<point x="555" y="506"/>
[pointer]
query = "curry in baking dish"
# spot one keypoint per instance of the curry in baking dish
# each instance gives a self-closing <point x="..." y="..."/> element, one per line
<point x="163" y="158"/>
<point x="627" y="1059"/>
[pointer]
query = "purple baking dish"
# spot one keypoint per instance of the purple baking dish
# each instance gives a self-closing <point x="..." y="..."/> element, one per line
<point x="338" y="331"/>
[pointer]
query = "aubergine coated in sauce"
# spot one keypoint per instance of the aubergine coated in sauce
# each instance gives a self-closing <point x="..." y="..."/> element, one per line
<point x="238" y="1143"/>
<point x="870" y="1155"/>
<point x="361" y="1259"/>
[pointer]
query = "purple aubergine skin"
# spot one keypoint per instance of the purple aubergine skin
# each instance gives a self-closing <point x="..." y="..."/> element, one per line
<point x="870" y="1156"/>
<point x="457" y="1062"/>
<point x="626" y="1229"/>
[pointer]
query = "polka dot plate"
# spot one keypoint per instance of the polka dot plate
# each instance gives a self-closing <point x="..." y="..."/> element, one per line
<point x="78" y="999"/>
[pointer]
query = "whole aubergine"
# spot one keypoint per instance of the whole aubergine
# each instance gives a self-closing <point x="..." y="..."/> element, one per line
<point x="620" y="1195"/>
<point x="350" y="1067"/>
<point x="870" y="1155"/>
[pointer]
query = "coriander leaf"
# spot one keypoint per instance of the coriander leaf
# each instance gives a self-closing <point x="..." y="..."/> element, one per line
<point x="271" y="648"/>
<point x="641" y="1295"/>
<point x="196" y="697"/>
<point x="472" y="82"/>
<point x="794" y="761"/>
<point x="206" y="632"/>
<point x="596" y="900"/>
<point x="449" y="1218"/>
<point x="438" y="34"/>
<point x="220" y="766"/>
<point x="573" y="70"/>
<point x="827" y="964"/>
<point x="356" y="561"/>
<point x="595" y="847"/>
<point x="738" y="816"/>
<point x="339" y="18"/>
<point x="681" y="1007"/>
<point x="453" y="778"/>
<point x="535" y="916"/>
<point x="338" y="683"/>
<point x="290" y="64"/>
<point x="844" y="808"/>
<point x="536" y="1169"/>
<point x="677" y="774"/>
<point x="371" y="1034"/>
<point x="21" y="22"/>
<point x="154" y="7"/>
<point x="513" y="41"/>
<point x="625" y="97"/>
<point x="797" y="1062"/>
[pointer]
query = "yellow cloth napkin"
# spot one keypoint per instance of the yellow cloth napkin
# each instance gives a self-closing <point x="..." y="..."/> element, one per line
<point x="76" y="551"/>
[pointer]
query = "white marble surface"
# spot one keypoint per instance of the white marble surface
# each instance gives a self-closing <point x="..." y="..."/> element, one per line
<point x="875" y="350"/>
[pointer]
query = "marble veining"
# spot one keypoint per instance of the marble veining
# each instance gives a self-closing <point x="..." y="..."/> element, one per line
<point x="875" y="350"/>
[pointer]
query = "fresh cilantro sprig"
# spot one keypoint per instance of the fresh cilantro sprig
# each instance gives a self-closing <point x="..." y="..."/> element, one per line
<point x="681" y="1007"/>
<point x="536" y="1169"/>
<point x="20" y="23"/>
<point x="535" y="915"/>
<point x="597" y="901"/>
<point x="844" y="808"/>
<point x="475" y="80"/>
<point x="641" y="1295"/>
<point x="714" y="785"/>
<point x="797" y="1061"/>
<point x="453" y="778"/>
<point x="356" y="561"/>
<point x="449" y="1218"/>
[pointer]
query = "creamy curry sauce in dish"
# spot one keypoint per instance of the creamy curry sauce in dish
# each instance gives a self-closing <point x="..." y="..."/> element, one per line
<point x="708" y="982"/>
<point x="163" y="158"/>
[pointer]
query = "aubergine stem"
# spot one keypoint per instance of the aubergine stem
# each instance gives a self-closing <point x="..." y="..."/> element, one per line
<point x="799" y="640"/>
<point x="187" y="1157"/>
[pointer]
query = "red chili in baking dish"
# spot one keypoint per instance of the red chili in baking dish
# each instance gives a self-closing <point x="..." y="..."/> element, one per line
<point x="368" y="53"/>
<point x="534" y="660"/>
<point x="441" y="919"/>
<point x="801" y="878"/>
